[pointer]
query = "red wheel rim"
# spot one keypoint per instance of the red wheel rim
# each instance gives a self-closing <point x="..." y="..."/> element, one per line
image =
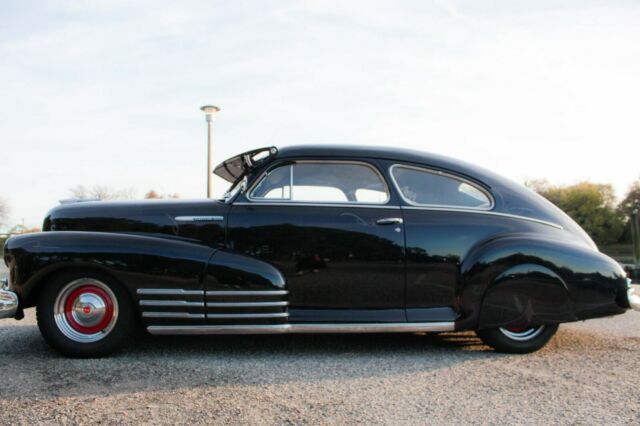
<point x="73" y="299"/>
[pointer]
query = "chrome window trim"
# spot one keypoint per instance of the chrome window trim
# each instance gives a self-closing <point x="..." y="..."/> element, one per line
<point x="302" y="328"/>
<point x="445" y="174"/>
<point x="289" y="200"/>
<point x="302" y="204"/>
<point x="485" y="212"/>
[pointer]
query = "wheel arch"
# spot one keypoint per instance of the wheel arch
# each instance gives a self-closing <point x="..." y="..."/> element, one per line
<point x="517" y="270"/>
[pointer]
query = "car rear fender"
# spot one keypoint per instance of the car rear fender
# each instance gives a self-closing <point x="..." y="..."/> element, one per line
<point x="526" y="278"/>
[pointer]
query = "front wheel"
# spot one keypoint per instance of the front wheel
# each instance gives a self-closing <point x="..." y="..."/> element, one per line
<point x="518" y="340"/>
<point x="84" y="314"/>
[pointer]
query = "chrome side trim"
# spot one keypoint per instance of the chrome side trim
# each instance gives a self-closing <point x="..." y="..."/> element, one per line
<point x="302" y="328"/>
<point x="240" y="316"/>
<point x="169" y="292"/>
<point x="245" y="304"/>
<point x="247" y="293"/>
<point x="199" y="218"/>
<point x="301" y="204"/>
<point x="180" y="303"/>
<point x="171" y="315"/>
<point x="512" y="216"/>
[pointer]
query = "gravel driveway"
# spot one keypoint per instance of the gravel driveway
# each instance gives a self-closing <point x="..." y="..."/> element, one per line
<point x="588" y="374"/>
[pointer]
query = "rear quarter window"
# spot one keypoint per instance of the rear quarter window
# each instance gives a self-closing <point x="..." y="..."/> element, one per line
<point x="432" y="188"/>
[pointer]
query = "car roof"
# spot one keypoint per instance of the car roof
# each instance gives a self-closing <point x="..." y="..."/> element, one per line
<point x="394" y="154"/>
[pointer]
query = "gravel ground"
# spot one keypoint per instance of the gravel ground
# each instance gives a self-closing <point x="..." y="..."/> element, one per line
<point x="588" y="374"/>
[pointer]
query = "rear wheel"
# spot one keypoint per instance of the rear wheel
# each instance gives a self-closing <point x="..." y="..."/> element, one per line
<point x="518" y="340"/>
<point x="85" y="314"/>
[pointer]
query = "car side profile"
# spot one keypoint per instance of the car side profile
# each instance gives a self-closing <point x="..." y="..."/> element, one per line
<point x="316" y="239"/>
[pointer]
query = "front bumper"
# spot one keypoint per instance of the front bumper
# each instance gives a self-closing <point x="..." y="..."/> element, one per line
<point x="8" y="301"/>
<point x="633" y="297"/>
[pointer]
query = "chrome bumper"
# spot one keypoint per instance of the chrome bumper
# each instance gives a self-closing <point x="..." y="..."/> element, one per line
<point x="633" y="297"/>
<point x="8" y="300"/>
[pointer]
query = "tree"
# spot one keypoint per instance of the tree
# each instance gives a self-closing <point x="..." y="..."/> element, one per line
<point x="630" y="203"/>
<point x="591" y="205"/>
<point x="153" y="194"/>
<point x="102" y="192"/>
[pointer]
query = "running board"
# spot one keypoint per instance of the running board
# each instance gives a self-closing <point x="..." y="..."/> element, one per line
<point x="302" y="328"/>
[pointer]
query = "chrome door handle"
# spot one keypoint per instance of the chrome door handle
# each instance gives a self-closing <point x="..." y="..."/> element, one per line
<point x="389" y="221"/>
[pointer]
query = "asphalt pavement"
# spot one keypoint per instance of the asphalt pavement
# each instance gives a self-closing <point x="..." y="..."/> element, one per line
<point x="588" y="374"/>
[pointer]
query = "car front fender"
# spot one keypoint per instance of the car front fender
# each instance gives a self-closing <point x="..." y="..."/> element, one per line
<point x="135" y="260"/>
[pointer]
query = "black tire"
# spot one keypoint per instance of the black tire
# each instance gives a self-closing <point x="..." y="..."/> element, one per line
<point x="520" y="342"/>
<point x="86" y="344"/>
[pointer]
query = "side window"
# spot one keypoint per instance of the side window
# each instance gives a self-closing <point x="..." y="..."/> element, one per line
<point x="433" y="188"/>
<point x="323" y="182"/>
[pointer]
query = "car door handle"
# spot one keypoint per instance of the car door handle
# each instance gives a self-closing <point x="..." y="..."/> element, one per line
<point x="389" y="221"/>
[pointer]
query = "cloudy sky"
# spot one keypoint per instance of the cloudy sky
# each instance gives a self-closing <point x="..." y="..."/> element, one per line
<point x="107" y="93"/>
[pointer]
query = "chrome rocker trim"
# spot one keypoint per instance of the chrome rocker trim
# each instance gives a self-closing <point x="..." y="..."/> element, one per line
<point x="300" y="328"/>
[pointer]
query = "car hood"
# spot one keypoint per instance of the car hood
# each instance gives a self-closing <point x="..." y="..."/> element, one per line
<point x="201" y="220"/>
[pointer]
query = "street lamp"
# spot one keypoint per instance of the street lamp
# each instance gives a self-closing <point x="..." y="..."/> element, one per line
<point x="210" y="112"/>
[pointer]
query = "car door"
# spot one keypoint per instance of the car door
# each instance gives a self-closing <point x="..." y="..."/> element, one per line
<point x="442" y="224"/>
<point x="334" y="229"/>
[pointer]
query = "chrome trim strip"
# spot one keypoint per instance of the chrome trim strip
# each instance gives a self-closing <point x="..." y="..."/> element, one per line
<point x="169" y="292"/>
<point x="182" y="303"/>
<point x="240" y="316"/>
<point x="302" y="204"/>
<point x="171" y="315"/>
<point x="247" y="293"/>
<point x="445" y="174"/>
<point x="199" y="218"/>
<point x="290" y="163"/>
<point x="512" y="216"/>
<point x="246" y="304"/>
<point x="302" y="328"/>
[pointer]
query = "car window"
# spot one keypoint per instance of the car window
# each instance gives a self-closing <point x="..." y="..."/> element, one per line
<point x="323" y="182"/>
<point x="433" y="188"/>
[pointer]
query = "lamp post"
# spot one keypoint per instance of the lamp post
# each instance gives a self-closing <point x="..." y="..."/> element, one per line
<point x="210" y="112"/>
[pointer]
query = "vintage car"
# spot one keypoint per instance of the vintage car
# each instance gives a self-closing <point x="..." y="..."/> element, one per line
<point x="316" y="239"/>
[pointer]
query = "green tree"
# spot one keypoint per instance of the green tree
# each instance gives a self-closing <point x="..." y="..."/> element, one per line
<point x="591" y="205"/>
<point x="630" y="203"/>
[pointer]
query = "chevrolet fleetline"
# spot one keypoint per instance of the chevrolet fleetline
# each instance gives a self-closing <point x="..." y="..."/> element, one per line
<point x="316" y="239"/>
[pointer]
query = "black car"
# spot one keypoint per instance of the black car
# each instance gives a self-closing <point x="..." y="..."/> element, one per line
<point x="317" y="239"/>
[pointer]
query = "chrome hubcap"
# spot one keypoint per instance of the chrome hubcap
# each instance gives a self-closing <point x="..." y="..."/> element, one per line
<point x="86" y="310"/>
<point x="522" y="334"/>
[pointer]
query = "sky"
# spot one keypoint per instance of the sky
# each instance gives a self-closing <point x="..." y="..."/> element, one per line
<point x="108" y="93"/>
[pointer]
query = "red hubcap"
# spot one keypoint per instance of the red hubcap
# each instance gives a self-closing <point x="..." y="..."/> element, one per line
<point x="517" y="329"/>
<point x="93" y="304"/>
